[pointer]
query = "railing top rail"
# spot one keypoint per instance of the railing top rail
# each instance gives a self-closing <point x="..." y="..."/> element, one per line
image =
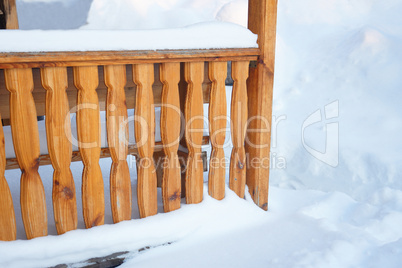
<point x="86" y="58"/>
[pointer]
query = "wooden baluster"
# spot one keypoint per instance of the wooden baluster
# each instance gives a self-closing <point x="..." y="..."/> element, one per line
<point x="143" y="75"/>
<point x="117" y="137"/>
<point x="217" y="129"/>
<point x="170" y="134"/>
<point x="237" y="173"/>
<point x="58" y="129"/>
<point x="194" y="75"/>
<point x="25" y="134"/>
<point x="88" y="130"/>
<point x="8" y="230"/>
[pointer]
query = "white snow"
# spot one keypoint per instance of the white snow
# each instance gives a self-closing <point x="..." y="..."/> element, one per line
<point x="205" y="35"/>
<point x="337" y="60"/>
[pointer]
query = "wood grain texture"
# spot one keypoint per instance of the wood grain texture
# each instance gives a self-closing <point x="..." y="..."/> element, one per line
<point x="170" y="134"/>
<point x="145" y="138"/>
<point x="58" y="130"/>
<point x="39" y="93"/>
<point x="76" y="58"/>
<point x="237" y="173"/>
<point x="25" y="134"/>
<point x="88" y="130"/>
<point x="194" y="73"/>
<point x="12" y="163"/>
<point x="8" y="230"/>
<point x="117" y="137"/>
<point x="262" y="21"/>
<point x="217" y="129"/>
<point x="9" y="18"/>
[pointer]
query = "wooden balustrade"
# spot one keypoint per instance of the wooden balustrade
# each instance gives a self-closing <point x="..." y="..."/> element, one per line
<point x="58" y="129"/>
<point x="194" y="73"/>
<point x="170" y="134"/>
<point x="26" y="146"/>
<point x="8" y="230"/>
<point x="217" y="129"/>
<point x="237" y="174"/>
<point x="88" y="131"/>
<point x="144" y="125"/>
<point x="19" y="82"/>
<point x="117" y="134"/>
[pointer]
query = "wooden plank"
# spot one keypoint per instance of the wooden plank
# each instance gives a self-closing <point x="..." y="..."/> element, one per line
<point x="39" y="93"/>
<point x="237" y="173"/>
<point x="26" y="146"/>
<point x="145" y="139"/>
<point x="117" y="136"/>
<point x="8" y="15"/>
<point x="58" y="130"/>
<point x="88" y="130"/>
<point x="262" y="21"/>
<point x="217" y="129"/>
<point x="12" y="163"/>
<point x="170" y="134"/>
<point x="194" y="73"/>
<point x="86" y="58"/>
<point x="8" y="230"/>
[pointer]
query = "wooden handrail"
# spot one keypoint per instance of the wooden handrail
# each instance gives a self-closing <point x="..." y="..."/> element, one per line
<point x="91" y="58"/>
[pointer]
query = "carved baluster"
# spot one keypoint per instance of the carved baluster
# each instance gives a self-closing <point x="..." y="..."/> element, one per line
<point x="194" y="75"/>
<point x="143" y="75"/>
<point x="217" y="129"/>
<point x="88" y="130"/>
<point x="8" y="228"/>
<point x="170" y="134"/>
<point x="58" y="129"/>
<point x="117" y="136"/>
<point x="25" y="134"/>
<point x="237" y="173"/>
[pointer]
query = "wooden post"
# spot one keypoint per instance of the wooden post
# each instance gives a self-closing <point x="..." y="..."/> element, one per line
<point x="117" y="137"/>
<point x="58" y="129"/>
<point x="8" y="14"/>
<point x="24" y="129"/>
<point x="262" y="21"/>
<point x="8" y="230"/>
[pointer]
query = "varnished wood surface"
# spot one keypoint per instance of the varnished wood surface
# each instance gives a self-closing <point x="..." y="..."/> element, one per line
<point x="88" y="131"/>
<point x="145" y="139"/>
<point x="117" y="136"/>
<point x="39" y="93"/>
<point x="8" y="230"/>
<point x="71" y="58"/>
<point x="217" y="129"/>
<point x="58" y="130"/>
<point x="262" y="21"/>
<point x="170" y="134"/>
<point x="12" y="163"/>
<point x="239" y="110"/>
<point x="26" y="146"/>
<point x="193" y="113"/>
<point x="9" y="16"/>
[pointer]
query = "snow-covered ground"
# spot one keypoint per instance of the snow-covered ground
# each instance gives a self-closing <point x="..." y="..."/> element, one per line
<point x="335" y="197"/>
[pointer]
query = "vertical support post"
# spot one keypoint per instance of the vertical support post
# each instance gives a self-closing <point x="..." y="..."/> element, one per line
<point x="117" y="138"/>
<point x="8" y="230"/>
<point x="89" y="135"/>
<point x="144" y="130"/>
<point x="217" y="129"/>
<point x="170" y="134"/>
<point x="8" y="14"/>
<point x="24" y="129"/>
<point x="58" y="129"/>
<point x="194" y="75"/>
<point x="262" y="21"/>
<point x="237" y="173"/>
